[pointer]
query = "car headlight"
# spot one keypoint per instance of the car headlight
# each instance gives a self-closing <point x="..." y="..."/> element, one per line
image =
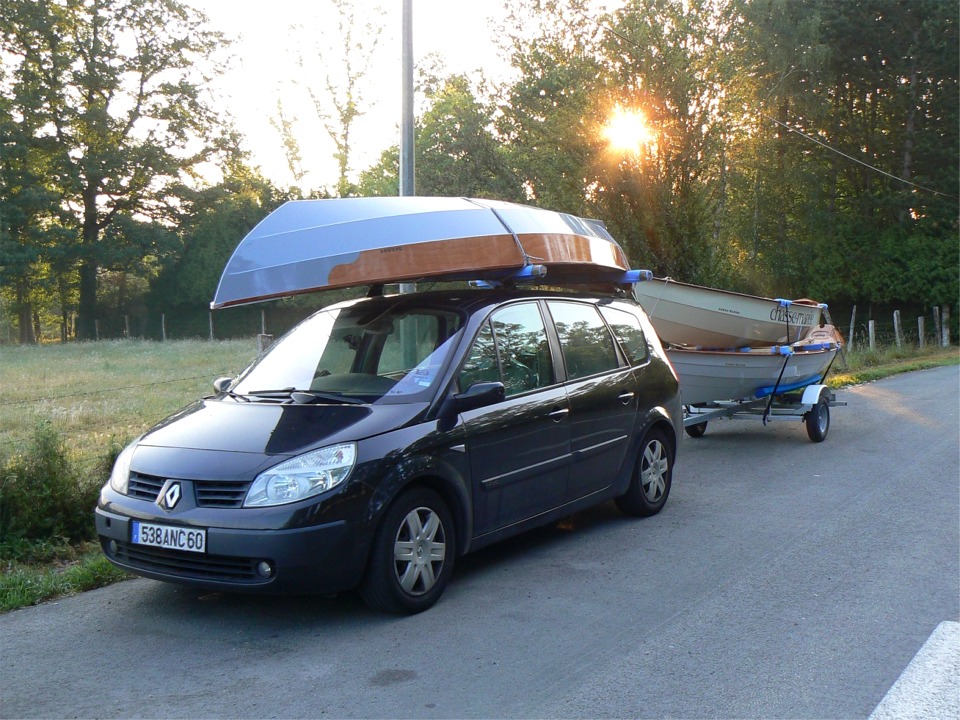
<point x="303" y="476"/>
<point x="120" y="475"/>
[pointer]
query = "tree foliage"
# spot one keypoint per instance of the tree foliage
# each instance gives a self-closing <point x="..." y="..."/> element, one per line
<point x="457" y="151"/>
<point x="797" y="146"/>
<point x="794" y="147"/>
<point x="109" y="92"/>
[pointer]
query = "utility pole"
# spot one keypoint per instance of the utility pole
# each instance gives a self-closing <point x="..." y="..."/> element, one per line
<point x="406" y="122"/>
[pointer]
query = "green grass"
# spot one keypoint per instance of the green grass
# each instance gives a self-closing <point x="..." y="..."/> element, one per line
<point x="24" y="585"/>
<point x="98" y="396"/>
<point x="70" y="408"/>
<point x="869" y="365"/>
<point x="106" y="393"/>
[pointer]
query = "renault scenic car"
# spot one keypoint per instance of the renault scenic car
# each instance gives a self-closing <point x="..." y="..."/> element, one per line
<point x="382" y="438"/>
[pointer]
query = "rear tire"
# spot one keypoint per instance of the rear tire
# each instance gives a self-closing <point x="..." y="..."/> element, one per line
<point x="412" y="555"/>
<point x="697" y="430"/>
<point x="652" y="477"/>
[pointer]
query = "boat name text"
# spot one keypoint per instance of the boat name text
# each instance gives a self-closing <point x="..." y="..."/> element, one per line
<point x="782" y="314"/>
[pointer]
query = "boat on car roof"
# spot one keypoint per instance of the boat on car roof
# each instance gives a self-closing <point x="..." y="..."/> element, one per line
<point x="310" y="245"/>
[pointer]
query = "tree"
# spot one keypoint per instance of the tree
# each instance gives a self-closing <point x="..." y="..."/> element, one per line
<point x="213" y="222"/>
<point x="342" y="55"/>
<point x="549" y="118"/>
<point x="29" y="219"/>
<point x="119" y="84"/>
<point x="673" y="64"/>
<point x="863" y="101"/>
<point x="457" y="151"/>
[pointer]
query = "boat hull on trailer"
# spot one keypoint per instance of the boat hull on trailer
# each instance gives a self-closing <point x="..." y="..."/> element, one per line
<point x="711" y="375"/>
<point x="310" y="245"/>
<point x="709" y="318"/>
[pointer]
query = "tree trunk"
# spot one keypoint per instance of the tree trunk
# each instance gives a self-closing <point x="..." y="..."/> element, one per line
<point x="25" y="314"/>
<point x="907" y="171"/>
<point x="89" y="266"/>
<point x="87" y="306"/>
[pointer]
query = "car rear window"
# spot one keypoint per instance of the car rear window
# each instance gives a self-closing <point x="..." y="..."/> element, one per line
<point x="588" y="348"/>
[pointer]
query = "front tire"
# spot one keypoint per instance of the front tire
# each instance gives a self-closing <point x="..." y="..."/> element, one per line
<point x="652" y="477"/>
<point x="412" y="555"/>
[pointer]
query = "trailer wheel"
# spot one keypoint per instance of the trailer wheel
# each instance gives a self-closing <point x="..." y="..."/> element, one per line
<point x="818" y="420"/>
<point x="697" y="430"/>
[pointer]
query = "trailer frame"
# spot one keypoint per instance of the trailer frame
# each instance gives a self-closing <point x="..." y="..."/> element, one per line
<point x="811" y="406"/>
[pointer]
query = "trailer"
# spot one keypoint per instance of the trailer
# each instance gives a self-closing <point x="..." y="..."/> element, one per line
<point x="810" y="405"/>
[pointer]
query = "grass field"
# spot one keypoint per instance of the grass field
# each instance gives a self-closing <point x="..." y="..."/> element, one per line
<point x="106" y="393"/>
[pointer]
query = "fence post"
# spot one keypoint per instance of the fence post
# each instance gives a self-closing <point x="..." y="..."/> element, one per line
<point x="96" y="330"/>
<point x="210" y="314"/>
<point x="872" y="331"/>
<point x="920" y="331"/>
<point x="163" y="326"/>
<point x="853" y="317"/>
<point x="936" y="324"/>
<point x="126" y="326"/>
<point x="945" y="321"/>
<point x="897" y="329"/>
<point x="263" y="342"/>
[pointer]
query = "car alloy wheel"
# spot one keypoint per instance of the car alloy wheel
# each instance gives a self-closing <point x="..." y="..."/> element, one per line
<point x="412" y="555"/>
<point x="419" y="551"/>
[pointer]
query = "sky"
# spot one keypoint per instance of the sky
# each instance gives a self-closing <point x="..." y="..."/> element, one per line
<point x="264" y="68"/>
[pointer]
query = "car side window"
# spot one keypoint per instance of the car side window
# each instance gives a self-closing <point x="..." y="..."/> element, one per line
<point x="629" y="333"/>
<point x="586" y="342"/>
<point x="481" y="364"/>
<point x="511" y="347"/>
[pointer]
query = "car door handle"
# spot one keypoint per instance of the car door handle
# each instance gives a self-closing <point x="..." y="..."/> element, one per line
<point x="558" y="415"/>
<point x="626" y="397"/>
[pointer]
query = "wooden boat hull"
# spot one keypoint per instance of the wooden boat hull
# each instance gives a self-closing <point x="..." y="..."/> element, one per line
<point x="710" y="318"/>
<point x="707" y="376"/>
<point x="310" y="245"/>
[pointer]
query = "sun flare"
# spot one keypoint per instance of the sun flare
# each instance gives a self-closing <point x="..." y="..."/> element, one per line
<point x="627" y="131"/>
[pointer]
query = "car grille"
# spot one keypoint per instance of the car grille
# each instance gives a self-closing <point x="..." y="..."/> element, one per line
<point x="144" y="487"/>
<point x="209" y="493"/>
<point x="220" y="494"/>
<point x="194" y="566"/>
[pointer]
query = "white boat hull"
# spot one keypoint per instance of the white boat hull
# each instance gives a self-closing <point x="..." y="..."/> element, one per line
<point x="708" y="376"/>
<point x="704" y="317"/>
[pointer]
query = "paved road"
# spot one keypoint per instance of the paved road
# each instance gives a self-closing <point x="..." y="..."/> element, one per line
<point x="783" y="579"/>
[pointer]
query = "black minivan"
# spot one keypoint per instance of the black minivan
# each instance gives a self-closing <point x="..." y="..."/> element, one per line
<point x="381" y="438"/>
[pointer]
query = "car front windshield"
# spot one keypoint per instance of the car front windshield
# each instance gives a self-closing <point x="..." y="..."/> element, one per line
<point x="364" y="352"/>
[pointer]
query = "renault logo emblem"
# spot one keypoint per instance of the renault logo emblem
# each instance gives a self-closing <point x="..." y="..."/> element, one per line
<point x="171" y="497"/>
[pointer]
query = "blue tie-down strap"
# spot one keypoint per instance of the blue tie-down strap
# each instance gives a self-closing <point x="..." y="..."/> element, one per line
<point x="784" y="303"/>
<point x="816" y="346"/>
<point x="526" y="273"/>
<point x="775" y="350"/>
<point x="765" y="391"/>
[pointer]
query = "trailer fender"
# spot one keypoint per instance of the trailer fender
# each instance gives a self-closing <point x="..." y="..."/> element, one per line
<point x="811" y="394"/>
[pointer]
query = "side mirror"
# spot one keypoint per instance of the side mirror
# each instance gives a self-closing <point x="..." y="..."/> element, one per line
<point x="222" y="384"/>
<point x="479" y="395"/>
<point x="476" y="396"/>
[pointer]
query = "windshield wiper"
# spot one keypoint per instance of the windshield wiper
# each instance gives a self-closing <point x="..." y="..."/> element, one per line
<point x="306" y="397"/>
<point x="282" y="392"/>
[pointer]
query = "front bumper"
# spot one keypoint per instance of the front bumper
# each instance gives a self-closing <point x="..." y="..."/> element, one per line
<point x="322" y="558"/>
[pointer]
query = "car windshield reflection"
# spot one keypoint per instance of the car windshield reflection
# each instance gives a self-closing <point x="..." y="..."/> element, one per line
<point x="394" y="354"/>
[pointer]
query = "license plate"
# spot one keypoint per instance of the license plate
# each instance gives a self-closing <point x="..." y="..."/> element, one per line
<point x="167" y="536"/>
